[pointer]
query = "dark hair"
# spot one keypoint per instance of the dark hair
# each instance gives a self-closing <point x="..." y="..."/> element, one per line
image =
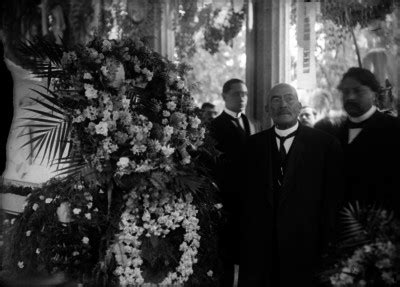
<point x="207" y="105"/>
<point x="227" y="86"/>
<point x="364" y="77"/>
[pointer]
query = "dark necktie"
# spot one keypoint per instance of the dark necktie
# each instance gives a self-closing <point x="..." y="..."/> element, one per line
<point x="282" y="155"/>
<point x="236" y="120"/>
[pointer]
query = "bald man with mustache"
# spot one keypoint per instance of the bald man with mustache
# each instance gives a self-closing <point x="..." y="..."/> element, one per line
<point x="289" y="201"/>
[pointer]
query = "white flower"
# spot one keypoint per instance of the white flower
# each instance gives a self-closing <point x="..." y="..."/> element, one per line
<point x="76" y="210"/>
<point x="104" y="70"/>
<point x="21" y="264"/>
<point x="218" y="206"/>
<point x="123" y="162"/>
<point x="41" y="197"/>
<point x="186" y="160"/>
<point x="171" y="105"/>
<point x="75" y="253"/>
<point x="210" y="273"/>
<point x="125" y="102"/>
<point x="102" y="128"/>
<point x="12" y="221"/>
<point x="148" y="73"/>
<point x="85" y="240"/>
<point x="90" y="91"/>
<point x="37" y="251"/>
<point x="78" y="186"/>
<point x="88" y="216"/>
<point x="168" y="131"/>
<point x="194" y="122"/>
<point x="167" y="150"/>
<point x="180" y="84"/>
<point x="28" y="233"/>
<point x="48" y="200"/>
<point x="87" y="76"/>
<point x="64" y="212"/>
<point x="35" y="206"/>
<point x="166" y="113"/>
<point x="106" y="45"/>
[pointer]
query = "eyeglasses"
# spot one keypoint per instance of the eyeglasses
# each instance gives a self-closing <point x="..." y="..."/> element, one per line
<point x="289" y="99"/>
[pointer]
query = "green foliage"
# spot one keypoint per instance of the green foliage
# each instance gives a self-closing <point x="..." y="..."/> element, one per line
<point x="350" y="13"/>
<point x="210" y="72"/>
<point x="214" y="25"/>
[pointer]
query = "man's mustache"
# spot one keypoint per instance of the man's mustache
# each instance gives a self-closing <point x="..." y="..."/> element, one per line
<point x="283" y="112"/>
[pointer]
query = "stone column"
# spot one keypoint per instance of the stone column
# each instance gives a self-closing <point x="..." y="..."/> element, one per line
<point x="267" y="51"/>
<point x="165" y="17"/>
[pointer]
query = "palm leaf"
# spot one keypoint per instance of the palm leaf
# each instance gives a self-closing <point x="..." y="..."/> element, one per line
<point x="43" y="113"/>
<point x="188" y="183"/>
<point x="42" y="57"/>
<point x="353" y="226"/>
<point x="361" y="224"/>
<point x="51" y="128"/>
<point x="72" y="165"/>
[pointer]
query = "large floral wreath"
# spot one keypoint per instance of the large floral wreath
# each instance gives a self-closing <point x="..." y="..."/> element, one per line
<point x="118" y="120"/>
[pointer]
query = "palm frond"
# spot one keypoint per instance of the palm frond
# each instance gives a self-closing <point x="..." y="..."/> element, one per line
<point x="42" y="57"/>
<point x="361" y="224"/>
<point x="49" y="128"/>
<point x="189" y="183"/>
<point x="72" y="165"/>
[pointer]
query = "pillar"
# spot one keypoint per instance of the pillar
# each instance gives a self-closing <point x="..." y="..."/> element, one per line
<point x="267" y="52"/>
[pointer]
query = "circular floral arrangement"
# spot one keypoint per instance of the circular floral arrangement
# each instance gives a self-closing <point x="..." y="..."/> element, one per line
<point x="128" y="108"/>
<point x="160" y="216"/>
<point x="120" y="118"/>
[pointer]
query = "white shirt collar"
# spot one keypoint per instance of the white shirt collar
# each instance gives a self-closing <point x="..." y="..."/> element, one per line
<point x="363" y="117"/>
<point x="233" y="114"/>
<point x="283" y="133"/>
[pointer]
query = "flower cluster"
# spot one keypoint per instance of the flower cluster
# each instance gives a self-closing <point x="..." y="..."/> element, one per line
<point x="119" y="113"/>
<point x="136" y="142"/>
<point x="161" y="214"/>
<point x="59" y="223"/>
<point x="369" y="255"/>
<point x="381" y="256"/>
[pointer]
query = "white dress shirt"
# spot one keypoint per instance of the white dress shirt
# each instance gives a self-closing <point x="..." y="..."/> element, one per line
<point x="236" y="116"/>
<point x="353" y="133"/>
<point x="283" y="133"/>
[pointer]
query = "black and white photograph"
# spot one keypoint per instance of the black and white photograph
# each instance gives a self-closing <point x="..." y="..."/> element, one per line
<point x="200" y="143"/>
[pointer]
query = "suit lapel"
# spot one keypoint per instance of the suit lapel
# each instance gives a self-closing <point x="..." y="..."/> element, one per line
<point x="294" y="158"/>
<point x="231" y="123"/>
<point x="371" y="124"/>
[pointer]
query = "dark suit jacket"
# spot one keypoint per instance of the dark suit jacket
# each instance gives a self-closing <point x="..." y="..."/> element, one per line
<point x="370" y="162"/>
<point x="300" y="223"/>
<point x="230" y="139"/>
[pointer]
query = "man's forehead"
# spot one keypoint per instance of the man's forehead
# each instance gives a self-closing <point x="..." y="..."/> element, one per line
<point x="283" y="90"/>
<point x="348" y="83"/>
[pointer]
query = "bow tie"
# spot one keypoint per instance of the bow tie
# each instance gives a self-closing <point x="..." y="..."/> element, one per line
<point x="352" y="125"/>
